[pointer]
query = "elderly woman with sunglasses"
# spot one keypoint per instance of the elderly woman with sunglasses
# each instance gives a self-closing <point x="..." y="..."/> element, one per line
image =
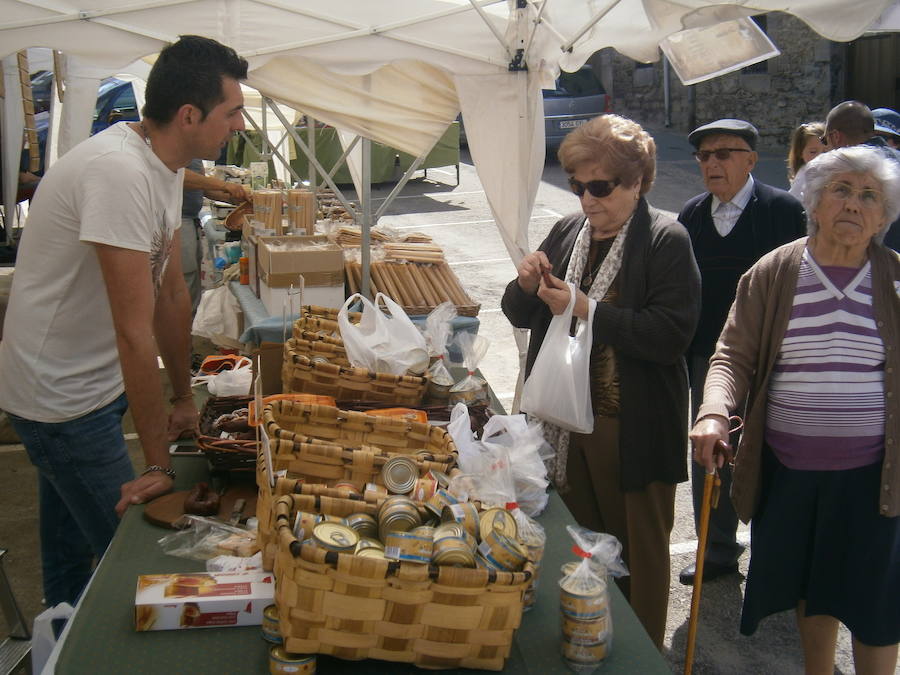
<point x="636" y="264"/>
<point x="811" y="343"/>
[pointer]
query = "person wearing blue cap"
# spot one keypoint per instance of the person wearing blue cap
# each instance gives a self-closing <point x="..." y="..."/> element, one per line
<point x="887" y="126"/>
<point x="731" y="226"/>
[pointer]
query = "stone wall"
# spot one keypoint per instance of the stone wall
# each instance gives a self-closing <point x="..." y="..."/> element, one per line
<point x="800" y="85"/>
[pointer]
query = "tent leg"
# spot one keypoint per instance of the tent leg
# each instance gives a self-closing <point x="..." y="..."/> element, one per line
<point x="366" y="225"/>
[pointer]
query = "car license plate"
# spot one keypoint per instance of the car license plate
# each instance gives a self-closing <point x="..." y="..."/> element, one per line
<point x="571" y="124"/>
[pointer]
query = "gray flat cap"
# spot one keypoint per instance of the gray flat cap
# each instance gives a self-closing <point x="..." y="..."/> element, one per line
<point x="727" y="126"/>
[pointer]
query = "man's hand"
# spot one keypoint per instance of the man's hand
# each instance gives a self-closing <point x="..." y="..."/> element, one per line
<point x="142" y="489"/>
<point x="234" y="193"/>
<point x="184" y="420"/>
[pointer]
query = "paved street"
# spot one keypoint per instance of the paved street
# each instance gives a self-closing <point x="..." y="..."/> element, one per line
<point x="458" y="218"/>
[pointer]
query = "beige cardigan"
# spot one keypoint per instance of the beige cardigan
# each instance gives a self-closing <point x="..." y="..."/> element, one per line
<point x="748" y="348"/>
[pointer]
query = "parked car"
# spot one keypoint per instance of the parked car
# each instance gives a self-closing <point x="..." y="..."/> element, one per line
<point x="115" y="103"/>
<point x="576" y="98"/>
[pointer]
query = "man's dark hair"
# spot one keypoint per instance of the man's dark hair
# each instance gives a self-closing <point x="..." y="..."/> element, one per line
<point x="853" y="119"/>
<point x="190" y="71"/>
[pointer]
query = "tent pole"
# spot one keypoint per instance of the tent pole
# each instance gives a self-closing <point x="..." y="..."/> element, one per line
<point x="399" y="186"/>
<point x="275" y="152"/>
<point x="311" y="139"/>
<point x="588" y="25"/>
<point x="312" y="159"/>
<point x="344" y="155"/>
<point x="366" y="226"/>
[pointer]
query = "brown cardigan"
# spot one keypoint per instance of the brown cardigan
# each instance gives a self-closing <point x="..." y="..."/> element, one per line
<point x="748" y="348"/>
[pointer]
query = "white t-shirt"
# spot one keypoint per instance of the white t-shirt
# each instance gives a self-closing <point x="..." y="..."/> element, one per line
<point x="58" y="356"/>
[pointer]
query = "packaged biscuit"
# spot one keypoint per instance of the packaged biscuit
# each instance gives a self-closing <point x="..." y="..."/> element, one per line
<point x="202" y="600"/>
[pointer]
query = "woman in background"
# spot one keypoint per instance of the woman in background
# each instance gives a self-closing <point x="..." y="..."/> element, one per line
<point x="806" y="143"/>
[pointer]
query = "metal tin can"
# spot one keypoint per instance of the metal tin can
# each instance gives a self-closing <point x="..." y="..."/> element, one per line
<point x="397" y="514"/>
<point x="282" y="662"/>
<point x="582" y="654"/>
<point x="329" y="518"/>
<point x="270" y="630"/>
<point x="442" y="479"/>
<point x="580" y="602"/>
<point x="498" y="519"/>
<point x="452" y="551"/>
<point x="448" y="530"/>
<point x="424" y="489"/>
<point x="367" y="543"/>
<point x="371" y="553"/>
<point x="408" y="547"/>
<point x="502" y="552"/>
<point x="363" y="523"/>
<point x="534" y="546"/>
<point x="350" y="487"/>
<point x="304" y="523"/>
<point x="336" y="537"/>
<point x="399" y="474"/>
<point x="588" y="632"/>
<point x="464" y="513"/>
<point x="439" y="500"/>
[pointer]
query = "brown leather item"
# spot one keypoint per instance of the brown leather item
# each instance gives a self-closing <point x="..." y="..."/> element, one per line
<point x="235" y="220"/>
<point x="201" y="501"/>
<point x="168" y="509"/>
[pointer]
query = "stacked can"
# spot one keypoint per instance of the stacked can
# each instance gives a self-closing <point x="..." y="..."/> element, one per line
<point x="270" y="630"/>
<point x="534" y="541"/>
<point x="400" y="474"/>
<point x="282" y="662"/>
<point x="397" y="513"/>
<point x="585" y="620"/>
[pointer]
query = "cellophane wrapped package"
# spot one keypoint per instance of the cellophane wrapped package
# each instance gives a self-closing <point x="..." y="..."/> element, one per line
<point x="584" y="607"/>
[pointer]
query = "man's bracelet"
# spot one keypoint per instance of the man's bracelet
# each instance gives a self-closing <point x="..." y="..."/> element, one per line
<point x="181" y="397"/>
<point x="156" y="467"/>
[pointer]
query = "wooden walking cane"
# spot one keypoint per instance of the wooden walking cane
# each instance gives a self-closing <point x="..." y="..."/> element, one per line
<point x="711" y="486"/>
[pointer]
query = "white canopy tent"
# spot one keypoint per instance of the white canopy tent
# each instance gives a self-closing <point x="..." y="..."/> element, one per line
<point x="394" y="71"/>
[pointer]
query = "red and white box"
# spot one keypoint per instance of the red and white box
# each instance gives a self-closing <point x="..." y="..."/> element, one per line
<point x="202" y="600"/>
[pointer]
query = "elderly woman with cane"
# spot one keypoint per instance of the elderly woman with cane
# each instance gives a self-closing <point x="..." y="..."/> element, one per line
<point x="637" y="266"/>
<point x="811" y="343"/>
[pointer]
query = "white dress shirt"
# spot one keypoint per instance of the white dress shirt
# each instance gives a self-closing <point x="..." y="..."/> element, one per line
<point x="725" y="214"/>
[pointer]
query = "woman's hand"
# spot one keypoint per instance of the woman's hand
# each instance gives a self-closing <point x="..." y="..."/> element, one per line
<point x="705" y="436"/>
<point x="532" y="267"/>
<point x="556" y="293"/>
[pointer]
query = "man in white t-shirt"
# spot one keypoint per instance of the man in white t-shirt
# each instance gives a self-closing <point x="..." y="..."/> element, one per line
<point x="97" y="294"/>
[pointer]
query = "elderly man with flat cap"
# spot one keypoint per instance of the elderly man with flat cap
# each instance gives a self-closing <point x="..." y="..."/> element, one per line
<point x="731" y="226"/>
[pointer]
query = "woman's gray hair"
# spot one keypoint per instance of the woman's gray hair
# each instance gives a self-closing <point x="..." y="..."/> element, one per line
<point x="856" y="159"/>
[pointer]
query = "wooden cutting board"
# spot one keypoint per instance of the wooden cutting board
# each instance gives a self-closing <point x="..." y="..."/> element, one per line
<point x="168" y="509"/>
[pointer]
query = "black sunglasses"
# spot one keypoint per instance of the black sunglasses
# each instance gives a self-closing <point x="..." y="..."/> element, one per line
<point x="720" y="153"/>
<point x="597" y="188"/>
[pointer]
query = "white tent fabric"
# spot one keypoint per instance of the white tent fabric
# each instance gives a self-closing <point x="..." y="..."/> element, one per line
<point x="403" y="45"/>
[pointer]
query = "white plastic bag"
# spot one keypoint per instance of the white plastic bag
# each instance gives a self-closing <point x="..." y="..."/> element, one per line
<point x="233" y="382"/>
<point x="217" y="314"/>
<point x="558" y="389"/>
<point x="385" y="343"/>
<point x="43" y="639"/>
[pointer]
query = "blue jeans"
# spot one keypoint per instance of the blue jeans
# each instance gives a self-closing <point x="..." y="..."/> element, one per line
<point x="82" y="465"/>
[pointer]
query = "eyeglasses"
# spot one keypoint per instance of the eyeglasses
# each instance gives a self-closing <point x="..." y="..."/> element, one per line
<point x="824" y="139"/>
<point x="868" y="198"/>
<point x="597" y="188"/>
<point x="721" y="154"/>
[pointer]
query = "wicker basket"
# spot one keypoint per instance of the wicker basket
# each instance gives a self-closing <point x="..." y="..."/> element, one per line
<point x="324" y="446"/>
<point x="301" y="373"/>
<point x="225" y="454"/>
<point x="355" y="608"/>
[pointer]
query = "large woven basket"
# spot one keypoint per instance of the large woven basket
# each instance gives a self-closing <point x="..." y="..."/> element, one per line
<point x="325" y="446"/>
<point x="302" y="374"/>
<point x="356" y="608"/>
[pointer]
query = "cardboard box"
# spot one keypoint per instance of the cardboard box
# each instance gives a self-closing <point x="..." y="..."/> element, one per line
<point x="274" y="298"/>
<point x="306" y="255"/>
<point x="271" y="358"/>
<point x="202" y="600"/>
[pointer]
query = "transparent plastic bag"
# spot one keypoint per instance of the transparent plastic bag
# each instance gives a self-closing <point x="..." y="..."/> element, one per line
<point x="471" y="389"/>
<point x="204" y="538"/>
<point x="525" y="444"/>
<point x="438" y="328"/>
<point x="534" y="538"/>
<point x="585" y="611"/>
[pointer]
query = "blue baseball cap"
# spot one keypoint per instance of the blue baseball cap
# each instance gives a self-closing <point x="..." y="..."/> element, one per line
<point x="887" y="121"/>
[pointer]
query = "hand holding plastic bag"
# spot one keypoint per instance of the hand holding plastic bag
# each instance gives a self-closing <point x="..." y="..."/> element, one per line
<point x="558" y="388"/>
